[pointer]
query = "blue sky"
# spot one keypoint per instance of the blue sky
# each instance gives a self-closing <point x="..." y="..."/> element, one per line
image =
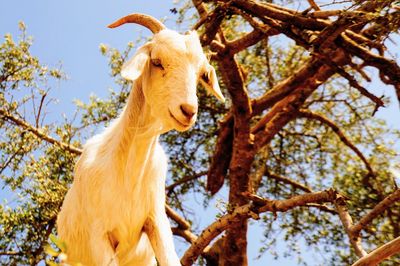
<point x="70" y="32"/>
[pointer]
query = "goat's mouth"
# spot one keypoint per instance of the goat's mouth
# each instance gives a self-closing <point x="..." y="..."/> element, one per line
<point x="179" y="122"/>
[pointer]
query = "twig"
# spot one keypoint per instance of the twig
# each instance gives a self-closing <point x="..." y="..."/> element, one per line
<point x="40" y="109"/>
<point x="339" y="133"/>
<point x="38" y="132"/>
<point x="184" y="180"/>
<point x="183" y="229"/>
<point x="353" y="82"/>
<point x="10" y="159"/>
<point x="288" y="181"/>
<point x="388" y="68"/>
<point x="11" y="253"/>
<point x="322" y="208"/>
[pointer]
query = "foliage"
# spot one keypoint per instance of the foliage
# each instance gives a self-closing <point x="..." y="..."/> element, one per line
<point x="307" y="151"/>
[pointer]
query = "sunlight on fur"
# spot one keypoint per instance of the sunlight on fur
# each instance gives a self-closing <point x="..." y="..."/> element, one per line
<point x="114" y="212"/>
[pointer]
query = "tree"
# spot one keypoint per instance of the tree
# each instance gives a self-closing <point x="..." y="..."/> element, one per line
<point x="298" y="135"/>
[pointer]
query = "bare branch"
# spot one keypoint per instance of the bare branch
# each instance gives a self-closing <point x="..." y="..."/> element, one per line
<point x="347" y="222"/>
<point x="212" y="22"/>
<point x="257" y="206"/>
<point x="380" y="254"/>
<point x="388" y="68"/>
<point x="311" y="77"/>
<point x="314" y="5"/>
<point x="295" y="18"/>
<point x="246" y="41"/>
<point x="185" y="234"/>
<point x="182" y="223"/>
<point x="353" y="82"/>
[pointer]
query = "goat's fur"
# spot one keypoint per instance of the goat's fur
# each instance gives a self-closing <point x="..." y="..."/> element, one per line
<point x="114" y="212"/>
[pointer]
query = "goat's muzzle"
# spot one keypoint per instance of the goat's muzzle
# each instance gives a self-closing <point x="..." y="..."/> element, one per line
<point x="188" y="110"/>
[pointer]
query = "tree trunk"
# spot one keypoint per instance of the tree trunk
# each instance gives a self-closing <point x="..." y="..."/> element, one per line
<point x="235" y="243"/>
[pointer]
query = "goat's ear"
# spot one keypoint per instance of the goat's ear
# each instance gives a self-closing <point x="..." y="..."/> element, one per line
<point x="210" y="82"/>
<point x="133" y="68"/>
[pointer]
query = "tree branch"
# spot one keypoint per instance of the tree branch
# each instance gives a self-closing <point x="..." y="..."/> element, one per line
<point x="347" y="222"/>
<point x="288" y="181"/>
<point x="383" y="252"/>
<point x="38" y="132"/>
<point x="222" y="156"/>
<point x="313" y="5"/>
<point x="295" y="18"/>
<point x="340" y="134"/>
<point x="184" y="180"/>
<point x="388" y="68"/>
<point x="183" y="229"/>
<point x="182" y="223"/>
<point x="375" y="212"/>
<point x="11" y="253"/>
<point x="258" y="205"/>
<point x="246" y="41"/>
<point x="185" y="234"/>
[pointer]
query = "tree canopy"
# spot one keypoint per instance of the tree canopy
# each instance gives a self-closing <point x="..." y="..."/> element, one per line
<point x="297" y="147"/>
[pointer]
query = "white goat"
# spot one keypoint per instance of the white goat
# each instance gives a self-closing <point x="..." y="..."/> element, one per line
<point x="114" y="212"/>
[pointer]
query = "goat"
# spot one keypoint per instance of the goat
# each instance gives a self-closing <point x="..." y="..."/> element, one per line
<point x="114" y="212"/>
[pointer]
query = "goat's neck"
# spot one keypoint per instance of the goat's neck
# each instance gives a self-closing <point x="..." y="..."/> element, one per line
<point x="138" y="134"/>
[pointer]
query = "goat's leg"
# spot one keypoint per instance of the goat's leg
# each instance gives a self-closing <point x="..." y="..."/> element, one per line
<point x="158" y="229"/>
<point x="103" y="252"/>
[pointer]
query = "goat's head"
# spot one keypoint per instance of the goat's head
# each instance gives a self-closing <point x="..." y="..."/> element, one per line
<point x="170" y="65"/>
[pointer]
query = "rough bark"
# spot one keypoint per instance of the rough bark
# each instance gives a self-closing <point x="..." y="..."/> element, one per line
<point x="332" y="44"/>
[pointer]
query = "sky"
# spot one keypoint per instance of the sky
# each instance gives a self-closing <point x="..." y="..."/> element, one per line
<point x="70" y="32"/>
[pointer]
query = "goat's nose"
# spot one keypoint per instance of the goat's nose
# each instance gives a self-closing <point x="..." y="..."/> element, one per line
<point x="188" y="110"/>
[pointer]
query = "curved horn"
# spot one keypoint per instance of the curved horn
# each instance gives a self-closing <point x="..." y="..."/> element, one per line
<point x="147" y="21"/>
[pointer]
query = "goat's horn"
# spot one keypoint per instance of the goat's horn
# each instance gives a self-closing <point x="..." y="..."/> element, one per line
<point x="147" y="21"/>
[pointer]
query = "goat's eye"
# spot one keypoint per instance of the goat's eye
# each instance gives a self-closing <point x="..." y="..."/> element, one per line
<point x="157" y="63"/>
<point x="205" y="77"/>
